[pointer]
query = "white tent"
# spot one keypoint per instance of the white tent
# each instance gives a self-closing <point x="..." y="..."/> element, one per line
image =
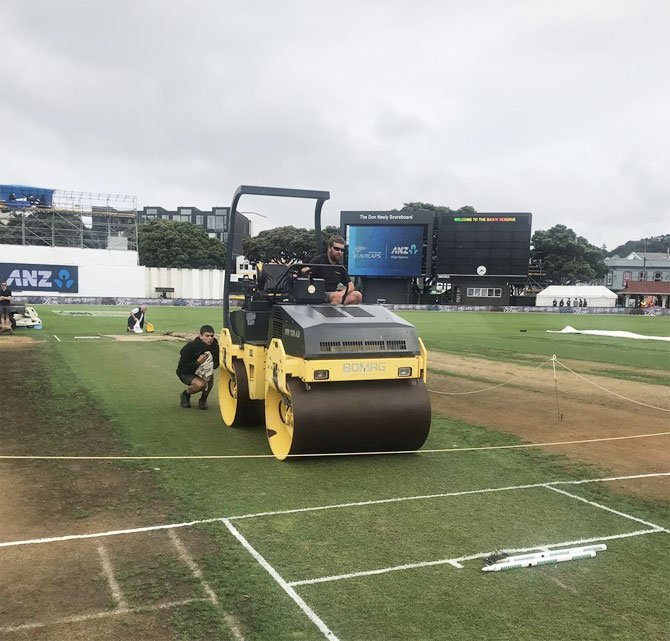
<point x="595" y="296"/>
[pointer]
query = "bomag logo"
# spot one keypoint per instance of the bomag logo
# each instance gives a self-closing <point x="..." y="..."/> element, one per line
<point x="363" y="367"/>
<point x="399" y="250"/>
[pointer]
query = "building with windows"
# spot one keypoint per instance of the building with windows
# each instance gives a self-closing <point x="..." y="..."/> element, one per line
<point x="215" y="222"/>
<point x="640" y="276"/>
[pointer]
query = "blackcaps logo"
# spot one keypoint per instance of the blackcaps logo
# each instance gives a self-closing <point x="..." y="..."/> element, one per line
<point x="64" y="279"/>
<point x="364" y="253"/>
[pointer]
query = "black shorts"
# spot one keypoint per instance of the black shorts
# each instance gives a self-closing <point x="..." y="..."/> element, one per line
<point x="187" y="379"/>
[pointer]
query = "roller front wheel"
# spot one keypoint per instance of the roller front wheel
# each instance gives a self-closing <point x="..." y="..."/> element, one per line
<point x="237" y="409"/>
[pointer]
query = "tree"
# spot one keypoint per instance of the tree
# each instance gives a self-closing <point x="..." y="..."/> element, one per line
<point x="566" y="258"/>
<point x="653" y="244"/>
<point x="466" y="210"/>
<point x="286" y="245"/>
<point x="165" y="243"/>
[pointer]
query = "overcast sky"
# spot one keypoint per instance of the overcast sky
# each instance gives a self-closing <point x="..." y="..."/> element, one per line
<point x="557" y="108"/>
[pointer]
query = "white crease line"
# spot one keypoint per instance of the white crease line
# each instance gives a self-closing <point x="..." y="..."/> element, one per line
<point x="313" y="617"/>
<point x="441" y="495"/>
<point x="610" y="478"/>
<point x="382" y="501"/>
<point x="58" y="339"/>
<point x="608" y="509"/>
<point x="197" y="573"/>
<point x="456" y="562"/>
<point x="595" y="539"/>
<point x="111" y="579"/>
<point x="99" y="615"/>
<point x="353" y="575"/>
<point x="195" y="570"/>
<point x="153" y="528"/>
<point x="73" y="537"/>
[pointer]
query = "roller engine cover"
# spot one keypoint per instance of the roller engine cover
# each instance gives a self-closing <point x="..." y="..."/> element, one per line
<point x="330" y="331"/>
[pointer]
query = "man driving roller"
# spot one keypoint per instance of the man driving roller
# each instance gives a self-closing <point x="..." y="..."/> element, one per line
<point x="333" y="277"/>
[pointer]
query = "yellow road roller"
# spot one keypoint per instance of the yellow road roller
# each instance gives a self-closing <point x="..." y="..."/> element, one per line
<point x="323" y="378"/>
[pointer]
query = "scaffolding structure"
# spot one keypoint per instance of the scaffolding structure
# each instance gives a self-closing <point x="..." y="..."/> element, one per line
<point x="71" y="219"/>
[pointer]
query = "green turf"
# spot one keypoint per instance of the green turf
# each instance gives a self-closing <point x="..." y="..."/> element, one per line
<point x="524" y="337"/>
<point x="621" y="594"/>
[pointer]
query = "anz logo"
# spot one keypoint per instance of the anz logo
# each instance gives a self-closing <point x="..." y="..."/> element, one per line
<point x="404" y="251"/>
<point x="363" y="367"/>
<point x="58" y="278"/>
<point x="64" y="279"/>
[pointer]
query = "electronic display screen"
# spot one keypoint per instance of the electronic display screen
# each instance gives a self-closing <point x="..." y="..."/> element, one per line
<point x="496" y="243"/>
<point x="385" y="250"/>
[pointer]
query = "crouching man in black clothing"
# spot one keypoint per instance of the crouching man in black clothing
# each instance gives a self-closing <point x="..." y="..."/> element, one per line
<point x="197" y="362"/>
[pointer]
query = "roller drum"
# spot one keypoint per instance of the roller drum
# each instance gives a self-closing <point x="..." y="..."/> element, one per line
<point x="359" y="416"/>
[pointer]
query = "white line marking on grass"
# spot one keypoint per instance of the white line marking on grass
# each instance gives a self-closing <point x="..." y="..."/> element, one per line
<point x="313" y="617"/>
<point x="443" y="495"/>
<point x="111" y="579"/>
<point x="197" y="573"/>
<point x="548" y="546"/>
<point x="353" y="575"/>
<point x="58" y="339"/>
<point x="608" y="509"/>
<point x="99" y="615"/>
<point x="610" y="478"/>
<point x="72" y="537"/>
<point x="153" y="528"/>
<point x="87" y="337"/>
<point x="192" y="565"/>
<point x="456" y="562"/>
<point x="399" y="499"/>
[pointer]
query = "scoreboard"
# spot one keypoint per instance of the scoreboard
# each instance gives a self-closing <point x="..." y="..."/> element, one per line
<point x="483" y="244"/>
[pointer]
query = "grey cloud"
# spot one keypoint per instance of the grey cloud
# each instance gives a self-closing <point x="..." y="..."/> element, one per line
<point x="558" y="109"/>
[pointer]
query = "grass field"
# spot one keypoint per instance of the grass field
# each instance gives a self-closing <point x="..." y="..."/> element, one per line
<point x="353" y="548"/>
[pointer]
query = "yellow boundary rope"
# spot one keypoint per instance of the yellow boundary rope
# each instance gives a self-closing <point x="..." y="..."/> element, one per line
<point x="486" y="389"/>
<point x="248" y="456"/>
<point x="604" y="389"/>
<point x="552" y="360"/>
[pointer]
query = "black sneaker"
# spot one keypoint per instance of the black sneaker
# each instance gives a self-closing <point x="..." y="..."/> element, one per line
<point x="202" y="403"/>
<point x="185" y="400"/>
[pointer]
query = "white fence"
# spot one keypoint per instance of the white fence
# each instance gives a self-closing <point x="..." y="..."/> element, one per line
<point x="203" y="284"/>
<point x="100" y="272"/>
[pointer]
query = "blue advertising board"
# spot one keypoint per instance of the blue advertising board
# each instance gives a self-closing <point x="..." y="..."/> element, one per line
<point x="40" y="278"/>
<point x="385" y="250"/>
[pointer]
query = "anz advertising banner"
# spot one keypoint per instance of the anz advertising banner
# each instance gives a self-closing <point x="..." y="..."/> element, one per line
<point x="380" y="250"/>
<point x="40" y="278"/>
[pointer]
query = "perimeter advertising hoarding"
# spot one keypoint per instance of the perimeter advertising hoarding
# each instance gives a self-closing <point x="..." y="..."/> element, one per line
<point x="40" y="278"/>
<point x="484" y="244"/>
<point x="381" y="250"/>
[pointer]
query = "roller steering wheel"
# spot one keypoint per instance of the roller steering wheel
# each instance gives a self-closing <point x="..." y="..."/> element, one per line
<point x="297" y="269"/>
